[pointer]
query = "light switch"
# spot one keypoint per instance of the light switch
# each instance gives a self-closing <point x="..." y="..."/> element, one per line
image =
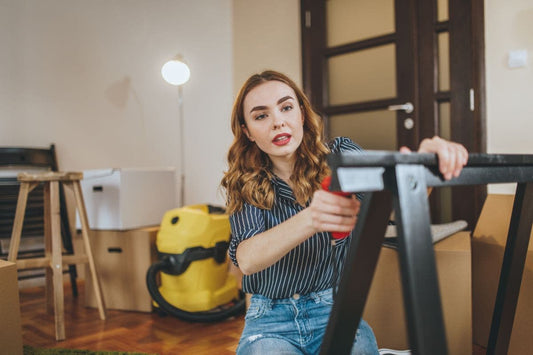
<point x="517" y="58"/>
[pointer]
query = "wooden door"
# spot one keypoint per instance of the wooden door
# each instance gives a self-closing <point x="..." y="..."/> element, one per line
<point x="388" y="73"/>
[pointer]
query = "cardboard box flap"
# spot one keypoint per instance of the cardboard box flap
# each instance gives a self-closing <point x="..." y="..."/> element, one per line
<point x="493" y="223"/>
<point x="94" y="174"/>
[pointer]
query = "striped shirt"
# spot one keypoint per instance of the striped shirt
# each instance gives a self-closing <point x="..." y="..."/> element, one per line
<point x="306" y="268"/>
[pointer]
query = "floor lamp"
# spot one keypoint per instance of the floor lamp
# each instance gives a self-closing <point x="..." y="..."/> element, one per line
<point x="177" y="73"/>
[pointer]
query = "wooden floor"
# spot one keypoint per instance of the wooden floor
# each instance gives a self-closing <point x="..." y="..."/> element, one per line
<point x="126" y="331"/>
<point x="122" y="331"/>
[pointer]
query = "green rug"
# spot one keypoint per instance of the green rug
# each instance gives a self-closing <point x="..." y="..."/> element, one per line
<point x="29" y="350"/>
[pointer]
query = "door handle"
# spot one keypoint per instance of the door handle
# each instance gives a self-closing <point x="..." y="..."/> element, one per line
<point x="407" y="107"/>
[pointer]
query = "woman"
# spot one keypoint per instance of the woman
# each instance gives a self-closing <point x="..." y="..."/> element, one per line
<point x="281" y="219"/>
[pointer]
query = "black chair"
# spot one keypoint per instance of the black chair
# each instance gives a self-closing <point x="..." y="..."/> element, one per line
<point x="12" y="161"/>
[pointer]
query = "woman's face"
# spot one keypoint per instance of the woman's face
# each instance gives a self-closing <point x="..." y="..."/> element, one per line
<point x="274" y="119"/>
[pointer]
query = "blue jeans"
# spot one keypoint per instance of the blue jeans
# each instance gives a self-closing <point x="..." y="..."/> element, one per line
<point x="295" y="325"/>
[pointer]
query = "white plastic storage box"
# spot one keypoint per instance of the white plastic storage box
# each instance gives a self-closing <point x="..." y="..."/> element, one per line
<point x="127" y="198"/>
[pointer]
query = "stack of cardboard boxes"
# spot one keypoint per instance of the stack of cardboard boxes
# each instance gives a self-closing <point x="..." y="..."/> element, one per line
<point x="125" y="207"/>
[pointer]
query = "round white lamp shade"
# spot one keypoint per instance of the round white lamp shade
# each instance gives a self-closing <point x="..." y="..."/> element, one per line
<point x="175" y="72"/>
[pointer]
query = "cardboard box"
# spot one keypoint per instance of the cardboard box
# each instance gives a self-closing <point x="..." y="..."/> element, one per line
<point x="488" y="244"/>
<point x="122" y="259"/>
<point x="385" y="312"/>
<point x="10" y="326"/>
<point x="124" y="199"/>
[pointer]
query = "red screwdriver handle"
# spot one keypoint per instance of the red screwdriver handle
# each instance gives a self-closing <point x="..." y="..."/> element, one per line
<point x="325" y="185"/>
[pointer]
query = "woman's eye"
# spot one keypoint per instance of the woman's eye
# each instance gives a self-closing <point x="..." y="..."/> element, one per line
<point x="260" y="116"/>
<point x="286" y="108"/>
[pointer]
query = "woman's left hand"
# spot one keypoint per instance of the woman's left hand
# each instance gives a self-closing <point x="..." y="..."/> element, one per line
<point x="452" y="156"/>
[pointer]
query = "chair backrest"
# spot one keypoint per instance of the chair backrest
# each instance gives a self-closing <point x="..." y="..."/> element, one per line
<point x="12" y="161"/>
<point x="28" y="157"/>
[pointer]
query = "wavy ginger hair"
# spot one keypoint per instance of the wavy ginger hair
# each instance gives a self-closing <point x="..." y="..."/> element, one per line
<point x="248" y="178"/>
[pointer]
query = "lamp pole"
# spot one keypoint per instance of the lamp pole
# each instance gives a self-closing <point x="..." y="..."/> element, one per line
<point x="177" y="73"/>
<point x="182" y="146"/>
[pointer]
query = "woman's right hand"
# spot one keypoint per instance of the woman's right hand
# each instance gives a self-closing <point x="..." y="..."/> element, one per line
<point x="333" y="213"/>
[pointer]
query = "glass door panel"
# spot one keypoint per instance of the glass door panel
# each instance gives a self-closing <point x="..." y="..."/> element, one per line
<point x="371" y="130"/>
<point x="445" y="193"/>
<point x="353" y="20"/>
<point x="445" y="125"/>
<point x="364" y="75"/>
<point x="444" y="61"/>
<point x="445" y="197"/>
<point x="442" y="10"/>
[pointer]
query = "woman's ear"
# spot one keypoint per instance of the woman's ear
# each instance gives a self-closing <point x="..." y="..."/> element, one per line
<point x="245" y="130"/>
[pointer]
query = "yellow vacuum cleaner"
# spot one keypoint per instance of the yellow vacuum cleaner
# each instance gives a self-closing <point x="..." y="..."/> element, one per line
<point x="195" y="284"/>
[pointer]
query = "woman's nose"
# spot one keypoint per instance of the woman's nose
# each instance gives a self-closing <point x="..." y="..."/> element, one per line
<point x="278" y="121"/>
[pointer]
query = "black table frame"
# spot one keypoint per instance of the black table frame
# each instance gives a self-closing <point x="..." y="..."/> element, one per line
<point x="394" y="181"/>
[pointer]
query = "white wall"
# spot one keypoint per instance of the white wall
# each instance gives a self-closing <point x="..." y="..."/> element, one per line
<point x="86" y="76"/>
<point x="266" y="35"/>
<point x="508" y="26"/>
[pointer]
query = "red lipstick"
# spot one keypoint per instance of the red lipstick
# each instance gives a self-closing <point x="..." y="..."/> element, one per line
<point x="281" y="139"/>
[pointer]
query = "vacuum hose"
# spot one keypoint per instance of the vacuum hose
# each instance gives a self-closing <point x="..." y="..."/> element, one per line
<point x="167" y="264"/>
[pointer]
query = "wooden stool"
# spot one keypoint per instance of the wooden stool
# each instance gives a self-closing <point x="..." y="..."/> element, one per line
<point x="54" y="259"/>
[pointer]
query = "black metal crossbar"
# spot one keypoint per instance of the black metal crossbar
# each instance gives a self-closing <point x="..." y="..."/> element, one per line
<point x="395" y="181"/>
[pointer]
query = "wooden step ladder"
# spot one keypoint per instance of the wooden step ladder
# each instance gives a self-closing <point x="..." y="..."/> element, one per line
<point x="54" y="259"/>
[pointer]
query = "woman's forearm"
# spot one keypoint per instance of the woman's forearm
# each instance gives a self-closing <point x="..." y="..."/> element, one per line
<point x="264" y="249"/>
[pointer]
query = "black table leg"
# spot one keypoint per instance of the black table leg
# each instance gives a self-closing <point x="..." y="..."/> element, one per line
<point x="512" y="269"/>
<point x="358" y="273"/>
<point x="417" y="262"/>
